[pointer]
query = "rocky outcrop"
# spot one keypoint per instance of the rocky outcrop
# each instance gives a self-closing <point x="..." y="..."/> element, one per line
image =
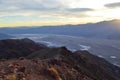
<point x="10" y="49"/>
<point x="82" y="61"/>
<point x="43" y="63"/>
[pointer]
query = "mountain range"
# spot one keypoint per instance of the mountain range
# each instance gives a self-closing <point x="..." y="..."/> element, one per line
<point x="33" y="61"/>
<point x="102" y="38"/>
<point x="28" y="60"/>
<point x="100" y="30"/>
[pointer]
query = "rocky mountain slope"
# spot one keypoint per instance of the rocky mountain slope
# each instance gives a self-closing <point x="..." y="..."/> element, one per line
<point x="43" y="63"/>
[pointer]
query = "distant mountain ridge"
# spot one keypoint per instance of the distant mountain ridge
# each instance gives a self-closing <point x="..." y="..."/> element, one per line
<point x="101" y="30"/>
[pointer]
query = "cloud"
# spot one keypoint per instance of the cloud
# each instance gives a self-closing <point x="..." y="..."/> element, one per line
<point x="39" y="7"/>
<point x="28" y="7"/>
<point x="57" y="10"/>
<point x="80" y="9"/>
<point x="113" y="5"/>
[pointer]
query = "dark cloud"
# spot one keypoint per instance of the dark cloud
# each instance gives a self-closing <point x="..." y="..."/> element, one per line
<point x="80" y="9"/>
<point x="113" y="5"/>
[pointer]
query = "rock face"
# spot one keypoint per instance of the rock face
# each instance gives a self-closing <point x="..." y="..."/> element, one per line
<point x="55" y="64"/>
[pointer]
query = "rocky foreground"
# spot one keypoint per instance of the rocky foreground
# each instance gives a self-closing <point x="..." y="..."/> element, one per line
<point x="26" y="60"/>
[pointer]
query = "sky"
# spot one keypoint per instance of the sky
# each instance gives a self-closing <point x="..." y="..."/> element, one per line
<point x="16" y="13"/>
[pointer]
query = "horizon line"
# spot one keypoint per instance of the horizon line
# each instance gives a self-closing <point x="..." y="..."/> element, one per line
<point x="54" y="25"/>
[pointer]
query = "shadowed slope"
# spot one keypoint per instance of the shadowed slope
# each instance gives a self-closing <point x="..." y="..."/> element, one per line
<point x="17" y="48"/>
